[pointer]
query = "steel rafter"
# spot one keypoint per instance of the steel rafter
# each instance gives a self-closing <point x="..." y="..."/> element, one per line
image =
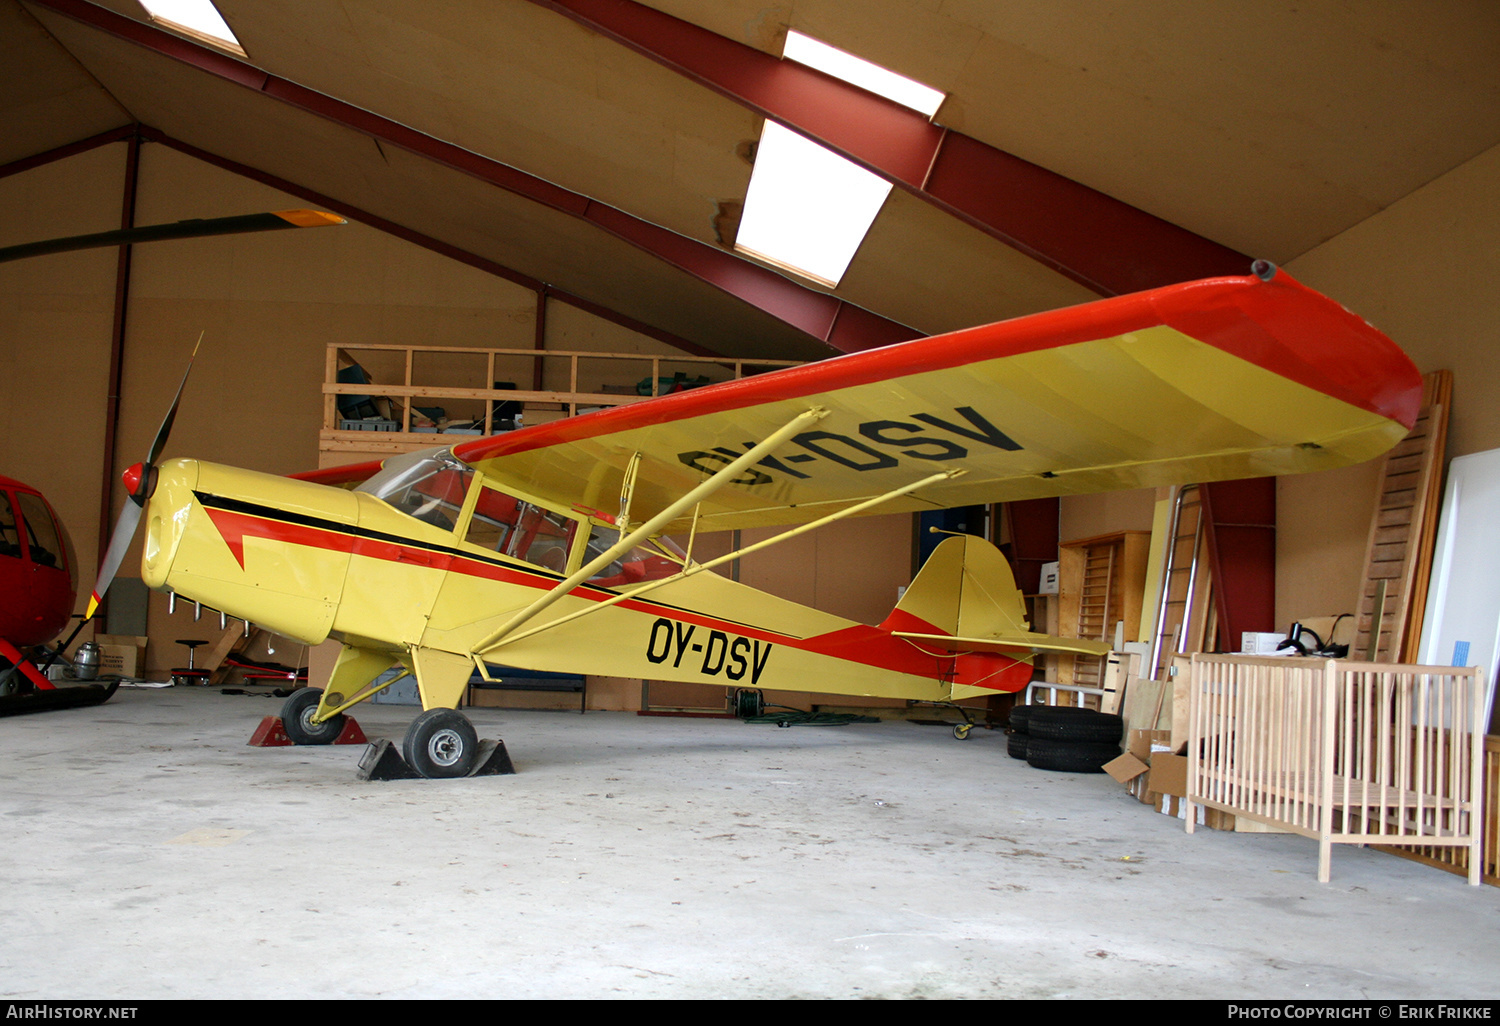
<point x="840" y="324"/>
<point x="1100" y="242"/>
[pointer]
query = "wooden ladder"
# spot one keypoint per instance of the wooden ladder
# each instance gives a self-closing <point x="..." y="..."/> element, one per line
<point x="1180" y="612"/>
<point x="1398" y="555"/>
<point x="1095" y="604"/>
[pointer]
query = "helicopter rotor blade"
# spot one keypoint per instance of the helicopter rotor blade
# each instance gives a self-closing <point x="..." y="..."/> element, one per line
<point x="189" y="229"/>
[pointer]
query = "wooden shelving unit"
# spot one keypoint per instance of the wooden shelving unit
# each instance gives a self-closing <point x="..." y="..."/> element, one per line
<point x="486" y="365"/>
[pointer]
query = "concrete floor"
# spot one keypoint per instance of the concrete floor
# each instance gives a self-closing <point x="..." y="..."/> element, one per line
<point x="152" y="854"/>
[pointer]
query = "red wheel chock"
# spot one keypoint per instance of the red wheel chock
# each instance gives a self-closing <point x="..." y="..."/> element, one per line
<point x="271" y="734"/>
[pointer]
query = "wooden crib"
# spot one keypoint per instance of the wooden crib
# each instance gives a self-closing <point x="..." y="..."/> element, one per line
<point x="1344" y="752"/>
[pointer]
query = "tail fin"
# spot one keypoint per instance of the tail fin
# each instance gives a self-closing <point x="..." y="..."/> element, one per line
<point x="965" y="589"/>
<point x="965" y="599"/>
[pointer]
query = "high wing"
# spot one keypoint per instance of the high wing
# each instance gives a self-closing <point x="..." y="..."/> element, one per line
<point x="1218" y="379"/>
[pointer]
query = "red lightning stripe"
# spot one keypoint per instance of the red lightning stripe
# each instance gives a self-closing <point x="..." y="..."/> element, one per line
<point x="870" y="646"/>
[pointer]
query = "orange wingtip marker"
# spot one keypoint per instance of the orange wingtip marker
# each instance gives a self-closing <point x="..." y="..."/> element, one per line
<point x="309" y="218"/>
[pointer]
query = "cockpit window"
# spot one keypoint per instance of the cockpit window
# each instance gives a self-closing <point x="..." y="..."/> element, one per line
<point x="10" y="538"/>
<point x="429" y="485"/>
<point x="42" y="536"/>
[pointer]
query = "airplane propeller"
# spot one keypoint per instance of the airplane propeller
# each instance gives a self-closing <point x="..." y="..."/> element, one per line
<point x="141" y="480"/>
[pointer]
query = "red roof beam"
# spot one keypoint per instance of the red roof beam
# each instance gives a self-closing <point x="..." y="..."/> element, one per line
<point x="1100" y="242"/>
<point x="805" y="309"/>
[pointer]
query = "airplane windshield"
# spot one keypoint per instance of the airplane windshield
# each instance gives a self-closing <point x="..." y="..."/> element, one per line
<point x="429" y="485"/>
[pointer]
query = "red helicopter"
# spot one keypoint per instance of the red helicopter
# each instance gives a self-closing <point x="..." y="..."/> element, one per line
<point x="38" y="583"/>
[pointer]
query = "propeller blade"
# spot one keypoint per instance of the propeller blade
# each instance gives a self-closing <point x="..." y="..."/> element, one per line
<point x="142" y="481"/>
<point x="160" y="442"/>
<point x="119" y="543"/>
<point x="190" y="229"/>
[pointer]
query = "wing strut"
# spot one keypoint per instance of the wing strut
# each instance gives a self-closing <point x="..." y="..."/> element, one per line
<point x="642" y="533"/>
<point x="698" y="568"/>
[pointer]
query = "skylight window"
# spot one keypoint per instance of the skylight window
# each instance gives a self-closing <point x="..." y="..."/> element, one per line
<point x="858" y="71"/>
<point x="807" y="209"/>
<point x="199" y="19"/>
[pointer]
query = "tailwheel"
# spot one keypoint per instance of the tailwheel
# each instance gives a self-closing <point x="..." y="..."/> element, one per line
<point x="296" y="719"/>
<point x="441" y="743"/>
<point x="962" y="731"/>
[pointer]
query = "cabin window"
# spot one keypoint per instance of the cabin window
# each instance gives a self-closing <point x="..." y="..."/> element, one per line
<point x="642" y="563"/>
<point x="542" y="538"/>
<point x="494" y="519"/>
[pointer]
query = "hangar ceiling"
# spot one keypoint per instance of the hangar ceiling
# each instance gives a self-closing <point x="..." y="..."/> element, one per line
<point x="602" y="147"/>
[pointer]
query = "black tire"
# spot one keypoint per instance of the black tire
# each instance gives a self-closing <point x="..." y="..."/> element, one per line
<point x="1020" y="716"/>
<point x="1016" y="745"/>
<point x="1078" y="725"/>
<point x="441" y="743"/>
<point x="1068" y="756"/>
<point x="296" y="719"/>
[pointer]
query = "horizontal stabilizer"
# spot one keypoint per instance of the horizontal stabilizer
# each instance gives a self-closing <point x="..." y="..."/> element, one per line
<point x="1008" y="642"/>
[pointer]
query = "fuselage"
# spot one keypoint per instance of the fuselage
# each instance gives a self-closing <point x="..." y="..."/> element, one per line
<point x="443" y="563"/>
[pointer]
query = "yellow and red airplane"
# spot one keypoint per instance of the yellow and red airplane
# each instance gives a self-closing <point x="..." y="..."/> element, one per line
<point x="547" y="548"/>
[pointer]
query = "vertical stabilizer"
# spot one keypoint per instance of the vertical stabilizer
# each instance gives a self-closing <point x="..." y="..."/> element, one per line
<point x="965" y="599"/>
<point x="965" y="589"/>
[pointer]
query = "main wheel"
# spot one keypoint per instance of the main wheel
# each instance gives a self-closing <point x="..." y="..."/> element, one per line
<point x="441" y="743"/>
<point x="296" y="719"/>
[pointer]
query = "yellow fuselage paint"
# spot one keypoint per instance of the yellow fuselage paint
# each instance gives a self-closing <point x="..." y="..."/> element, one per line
<point x="311" y="562"/>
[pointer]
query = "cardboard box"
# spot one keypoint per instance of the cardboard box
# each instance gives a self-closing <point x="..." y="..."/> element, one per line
<point x="1169" y="774"/>
<point x="1126" y="768"/>
<point x="1143" y="742"/>
<point x="1260" y="642"/>
<point x="121" y="654"/>
<point x="1176" y="806"/>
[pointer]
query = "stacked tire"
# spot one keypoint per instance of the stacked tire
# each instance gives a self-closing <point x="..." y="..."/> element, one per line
<point x="1018" y="738"/>
<point x="1064" y="738"/>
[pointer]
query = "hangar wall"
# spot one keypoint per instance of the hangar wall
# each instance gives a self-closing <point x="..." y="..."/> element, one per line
<point x="1426" y="271"/>
<point x="55" y="319"/>
<point x="268" y="305"/>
